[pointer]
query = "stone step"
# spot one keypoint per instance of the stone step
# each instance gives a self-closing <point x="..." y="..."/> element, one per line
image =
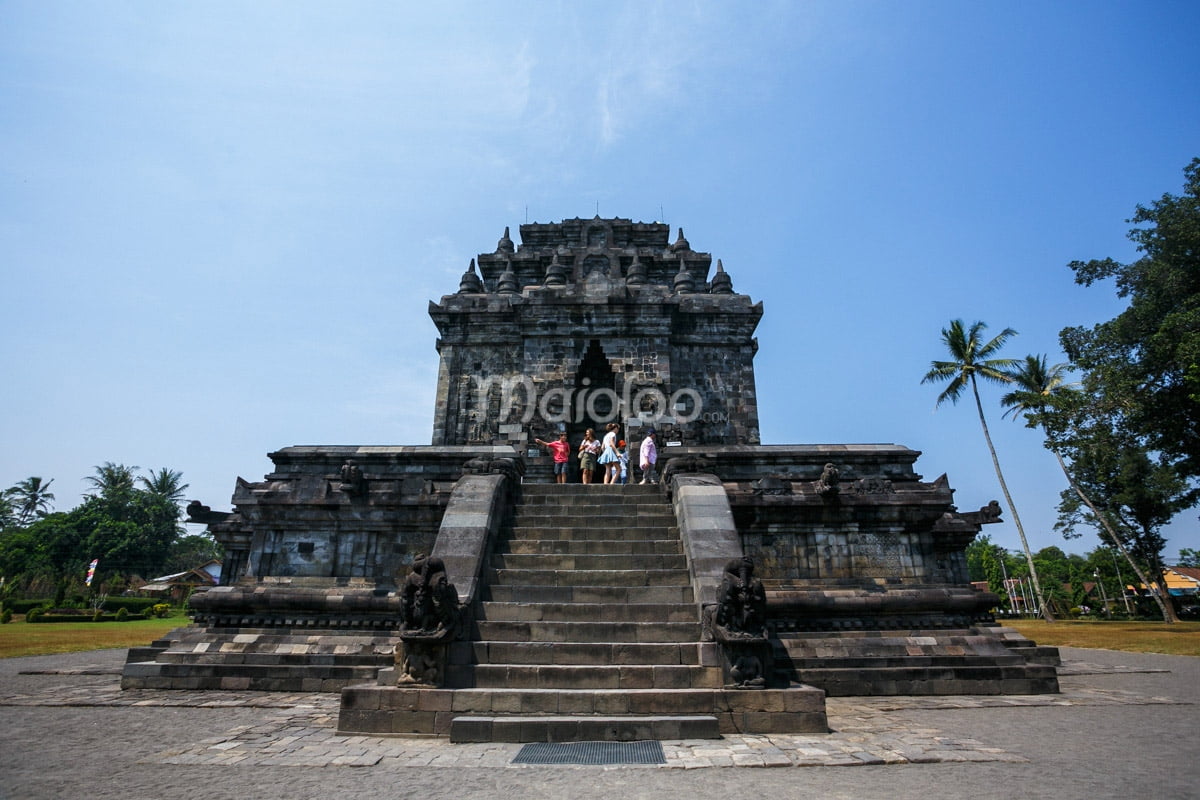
<point x="666" y="547"/>
<point x="237" y="676"/>
<point x="590" y="594"/>
<point x="593" y="532"/>
<point x="588" y="517"/>
<point x="588" y="561"/>
<point x="627" y="500"/>
<point x="594" y="577"/>
<point x="588" y="612"/>
<point x="213" y="642"/>
<point x="592" y="489"/>
<point x="614" y="632"/>
<point x="939" y="680"/>
<point x="148" y="653"/>
<point x="584" y="676"/>
<point x="604" y="653"/>
<point x="274" y="658"/>
<point x="921" y="661"/>
<point x="388" y="709"/>
<point x="950" y="644"/>
<point x="583" y="728"/>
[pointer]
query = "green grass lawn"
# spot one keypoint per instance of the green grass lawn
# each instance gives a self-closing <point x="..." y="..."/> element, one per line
<point x="20" y="638"/>
<point x="1180" y="639"/>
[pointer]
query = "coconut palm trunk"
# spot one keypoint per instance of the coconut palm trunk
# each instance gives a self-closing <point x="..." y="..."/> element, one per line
<point x="972" y="356"/>
<point x="1044" y="607"/>
<point x="1167" y="611"/>
<point x="1038" y="384"/>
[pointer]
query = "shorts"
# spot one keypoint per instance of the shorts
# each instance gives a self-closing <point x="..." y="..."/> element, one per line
<point x="588" y="462"/>
<point x="560" y="467"/>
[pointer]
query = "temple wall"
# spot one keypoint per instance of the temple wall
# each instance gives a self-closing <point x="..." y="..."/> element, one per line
<point x="587" y="306"/>
<point x="313" y="521"/>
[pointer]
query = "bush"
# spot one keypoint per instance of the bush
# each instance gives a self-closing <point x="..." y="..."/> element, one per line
<point x="161" y="610"/>
<point x="134" y="605"/>
<point x="32" y="614"/>
<point x="25" y="606"/>
<point x="5" y="616"/>
<point x="122" y="615"/>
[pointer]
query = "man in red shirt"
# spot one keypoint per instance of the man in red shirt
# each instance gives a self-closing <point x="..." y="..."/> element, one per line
<point x="561" y="450"/>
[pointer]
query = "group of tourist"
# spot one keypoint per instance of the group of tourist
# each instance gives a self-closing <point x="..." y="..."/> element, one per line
<point x="611" y="454"/>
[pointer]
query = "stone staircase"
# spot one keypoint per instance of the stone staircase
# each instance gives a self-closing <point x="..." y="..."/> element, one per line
<point x="276" y="659"/>
<point x="588" y="630"/>
<point x="916" y="662"/>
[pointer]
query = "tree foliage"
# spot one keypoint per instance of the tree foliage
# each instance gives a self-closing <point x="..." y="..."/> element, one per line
<point x="1045" y="400"/>
<point x="30" y="499"/>
<point x="131" y="524"/>
<point x="1142" y="365"/>
<point x="1125" y="482"/>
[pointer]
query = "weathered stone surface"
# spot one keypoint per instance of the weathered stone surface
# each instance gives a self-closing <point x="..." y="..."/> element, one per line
<point x="595" y="610"/>
<point x="601" y="328"/>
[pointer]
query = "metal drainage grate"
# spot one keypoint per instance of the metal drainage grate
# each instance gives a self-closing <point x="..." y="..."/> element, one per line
<point x="591" y="753"/>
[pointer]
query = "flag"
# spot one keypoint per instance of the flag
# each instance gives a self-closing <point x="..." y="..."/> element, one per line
<point x="91" y="571"/>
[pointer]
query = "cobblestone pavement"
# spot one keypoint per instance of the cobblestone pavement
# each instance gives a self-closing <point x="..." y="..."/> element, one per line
<point x="1123" y="722"/>
<point x="299" y="729"/>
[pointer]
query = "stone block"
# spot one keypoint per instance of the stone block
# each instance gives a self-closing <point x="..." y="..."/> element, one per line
<point x="672" y="677"/>
<point x="442" y="720"/>
<point x="435" y="700"/>
<point x="804" y="700"/>
<point x="471" y="701"/>
<point x="507" y="729"/>
<point x="576" y="702"/>
<point x="423" y="722"/>
<point x="539" y="702"/>
<point x="636" y="677"/>
<point x="612" y="702"/>
<point x="466" y="729"/>
<point x="360" y="698"/>
<point x="556" y="729"/>
<point x="368" y="722"/>
<point x="506" y="702"/>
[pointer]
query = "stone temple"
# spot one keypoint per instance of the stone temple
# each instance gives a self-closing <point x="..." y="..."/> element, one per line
<point x="456" y="589"/>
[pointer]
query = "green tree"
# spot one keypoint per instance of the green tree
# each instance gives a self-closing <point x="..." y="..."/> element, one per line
<point x="1132" y="492"/>
<point x="113" y="482"/>
<point x="1040" y="396"/>
<point x="974" y="358"/>
<point x="192" y="551"/>
<point x="1144" y="365"/>
<point x="32" y="498"/>
<point x="40" y="549"/>
<point x="1188" y="557"/>
<point x="8" y="512"/>
<point x="985" y="562"/>
<point x="165" y="483"/>
<point x="133" y="531"/>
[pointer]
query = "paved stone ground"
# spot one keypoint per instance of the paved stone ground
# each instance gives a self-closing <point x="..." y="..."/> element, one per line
<point x="1121" y="720"/>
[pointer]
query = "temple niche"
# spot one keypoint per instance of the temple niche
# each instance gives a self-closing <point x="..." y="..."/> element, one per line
<point x="592" y="321"/>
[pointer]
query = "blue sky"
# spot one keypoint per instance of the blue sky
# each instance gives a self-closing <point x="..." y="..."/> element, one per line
<point x="221" y="223"/>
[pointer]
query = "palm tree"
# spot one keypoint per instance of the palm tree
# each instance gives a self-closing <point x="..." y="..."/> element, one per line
<point x="972" y="357"/>
<point x="166" y="484"/>
<point x="166" y="487"/>
<point x="31" y="499"/>
<point x="1038" y="386"/>
<point x="112" y="480"/>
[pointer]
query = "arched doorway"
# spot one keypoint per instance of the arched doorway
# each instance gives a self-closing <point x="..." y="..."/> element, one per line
<point x="594" y="403"/>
